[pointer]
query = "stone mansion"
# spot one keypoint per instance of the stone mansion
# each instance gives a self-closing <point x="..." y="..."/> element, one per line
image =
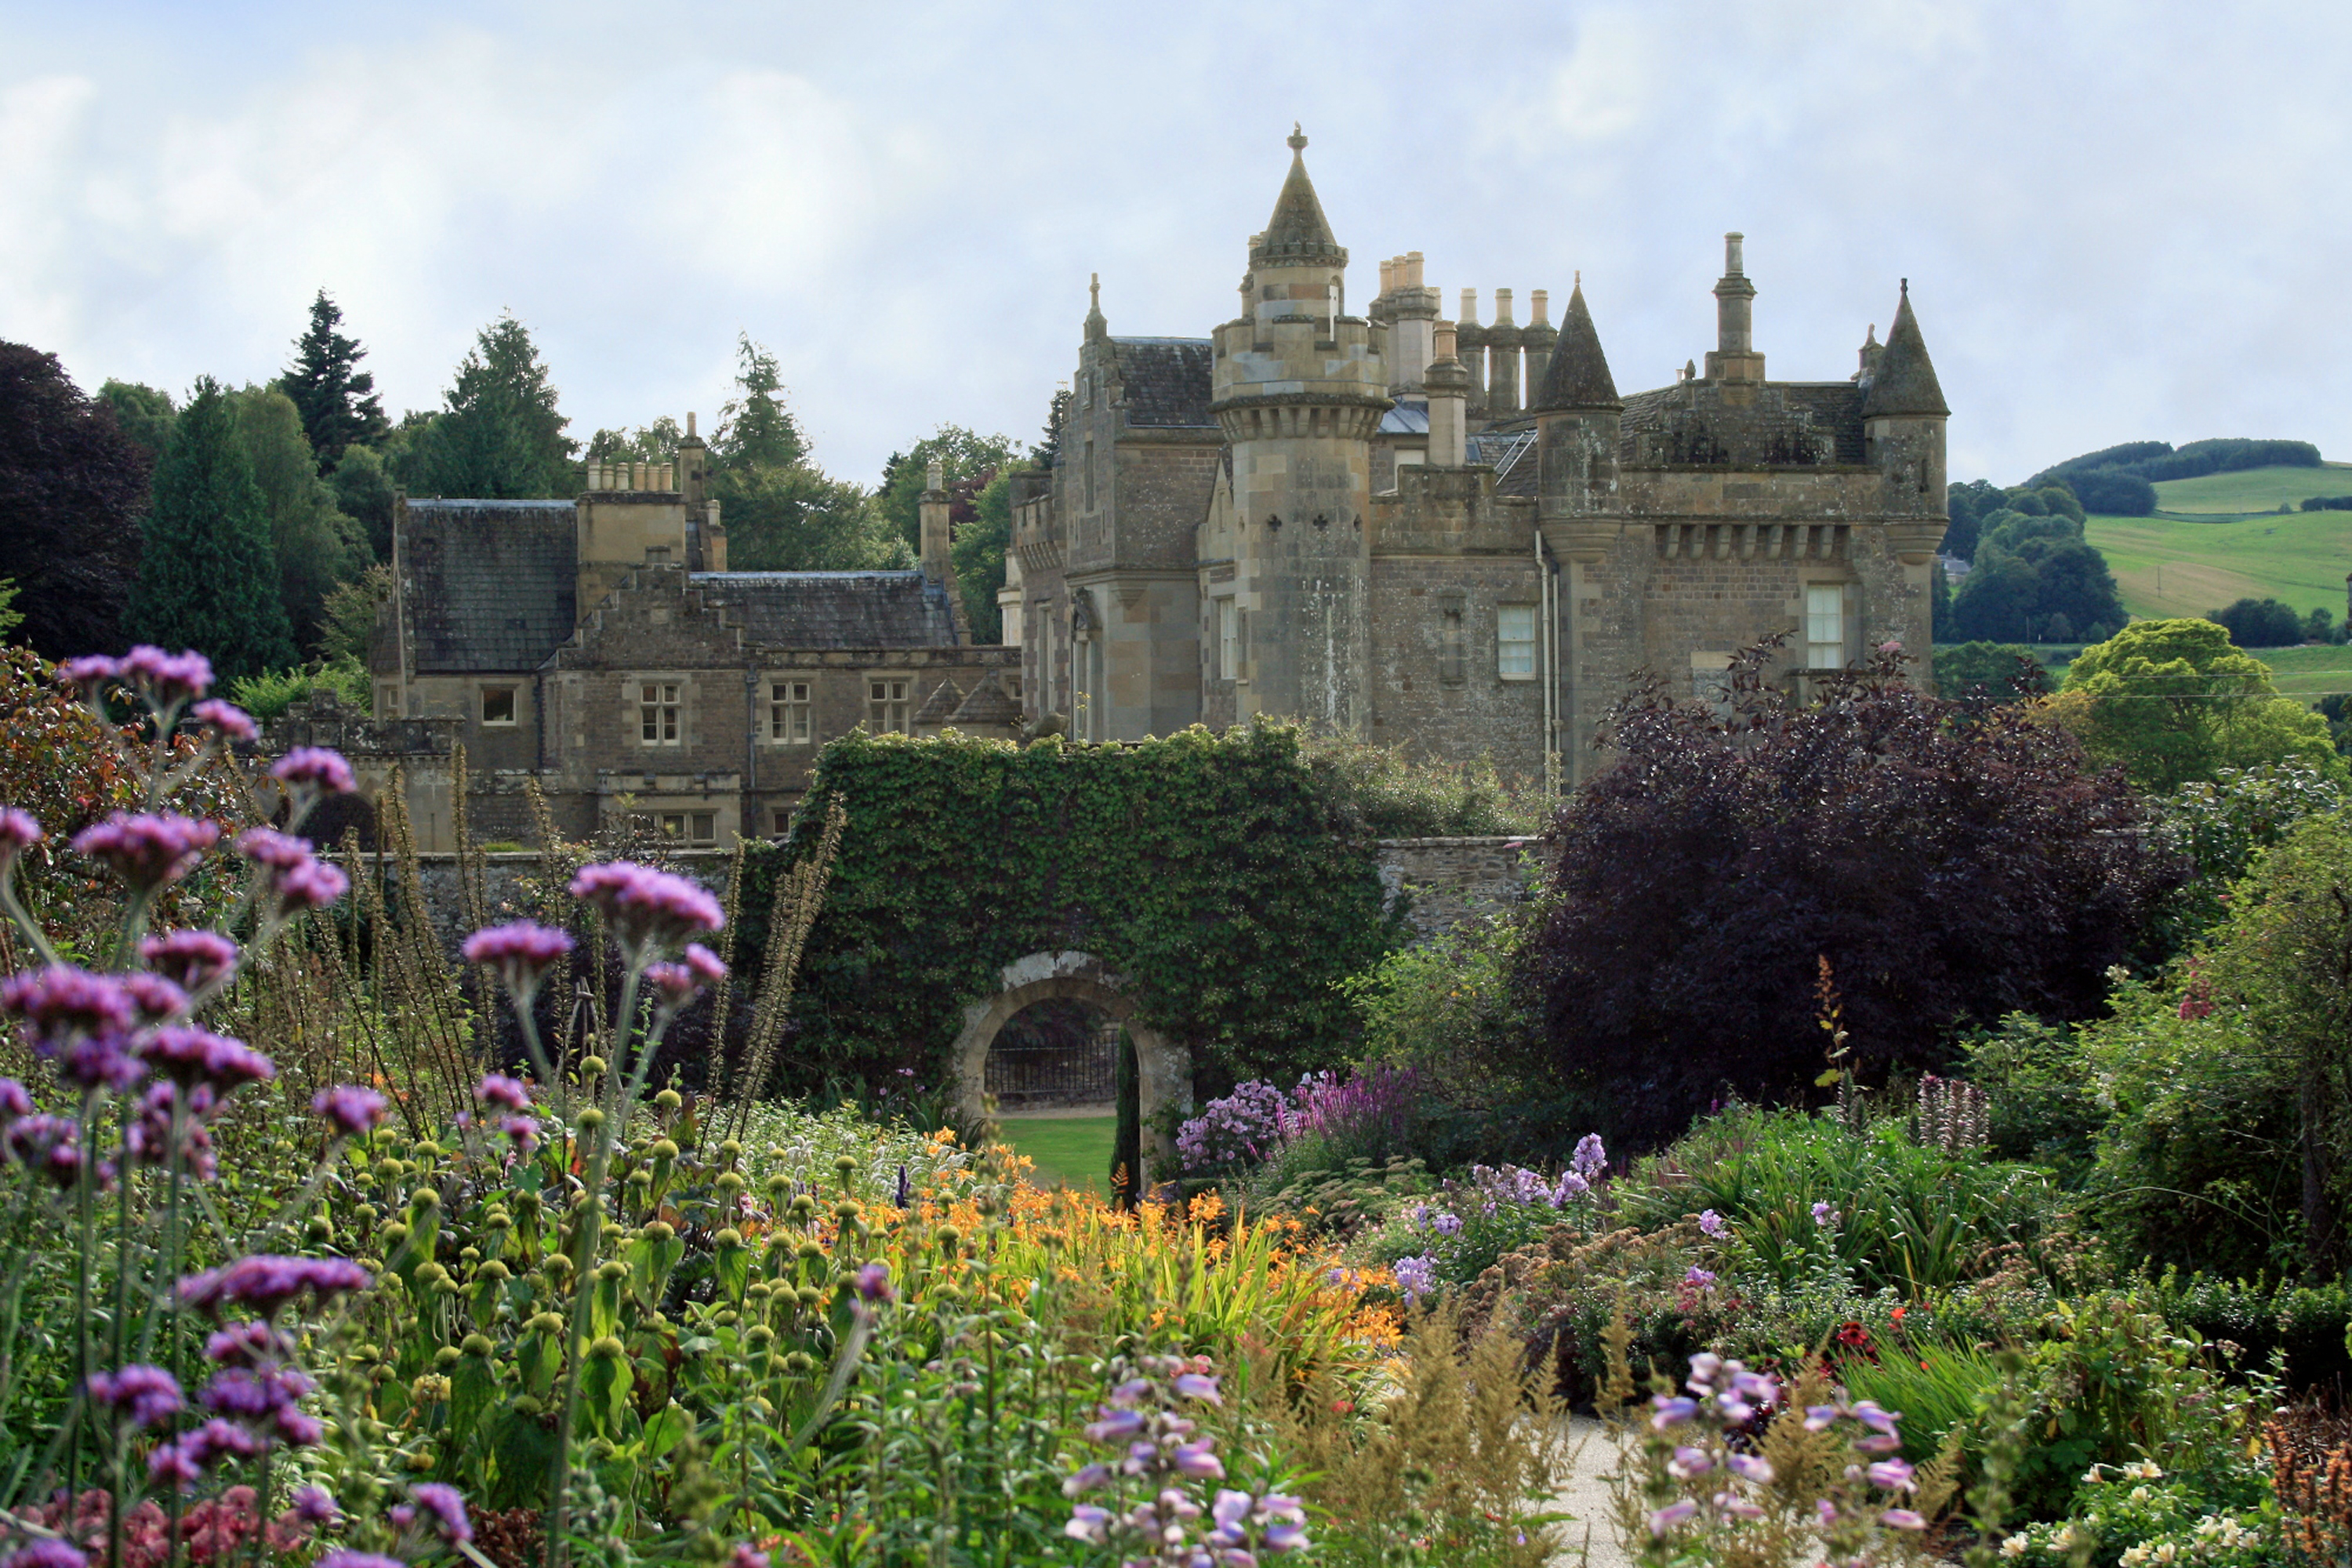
<point x="1442" y="534"/>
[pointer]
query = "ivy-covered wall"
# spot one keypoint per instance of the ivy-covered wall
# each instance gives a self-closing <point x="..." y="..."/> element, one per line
<point x="1213" y="871"/>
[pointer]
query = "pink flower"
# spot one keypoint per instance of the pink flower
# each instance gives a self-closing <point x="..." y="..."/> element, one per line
<point x="148" y="850"/>
<point x="308" y="768"/>
<point x="61" y="1003"/>
<point x="353" y="1111"/>
<point x="192" y="960"/>
<point x="266" y="1283"/>
<point x="648" y="907"/>
<point x="705" y="964"/>
<point x="520" y="950"/>
<point x="188" y="1054"/>
<point x="19" y="831"/>
<point x="497" y="1089"/>
<point x="268" y="846"/>
<point x="225" y="719"/>
<point x="165" y="680"/>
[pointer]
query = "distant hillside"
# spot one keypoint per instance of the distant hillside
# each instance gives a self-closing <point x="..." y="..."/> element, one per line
<point x="2121" y="481"/>
<point x="2222" y="537"/>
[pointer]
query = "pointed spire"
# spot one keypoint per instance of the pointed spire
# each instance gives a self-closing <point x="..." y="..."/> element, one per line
<point x="1297" y="234"/>
<point x="1903" y="378"/>
<point x="1096" y="326"/>
<point x="1578" y="375"/>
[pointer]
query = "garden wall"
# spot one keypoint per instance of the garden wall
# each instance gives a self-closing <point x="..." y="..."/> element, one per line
<point x="1450" y="880"/>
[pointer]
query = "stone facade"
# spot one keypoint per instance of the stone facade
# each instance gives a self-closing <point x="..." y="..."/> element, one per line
<point x="1451" y="535"/>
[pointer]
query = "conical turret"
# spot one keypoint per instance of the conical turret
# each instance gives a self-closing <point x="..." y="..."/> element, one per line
<point x="1298" y="233"/>
<point x="1901" y="376"/>
<point x="1578" y="377"/>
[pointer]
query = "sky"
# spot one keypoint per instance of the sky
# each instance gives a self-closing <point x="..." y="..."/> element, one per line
<point x="2119" y="221"/>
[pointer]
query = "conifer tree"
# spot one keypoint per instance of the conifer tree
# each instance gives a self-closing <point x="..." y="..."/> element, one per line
<point x="338" y="401"/>
<point x="207" y="576"/>
<point x="500" y="436"/>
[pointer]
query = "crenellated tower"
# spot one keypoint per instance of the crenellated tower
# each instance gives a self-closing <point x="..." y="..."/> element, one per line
<point x="1299" y="387"/>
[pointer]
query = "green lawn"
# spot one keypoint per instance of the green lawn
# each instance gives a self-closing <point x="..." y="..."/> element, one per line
<point x="1070" y="1151"/>
<point x="2253" y="490"/>
<point x="2174" y="566"/>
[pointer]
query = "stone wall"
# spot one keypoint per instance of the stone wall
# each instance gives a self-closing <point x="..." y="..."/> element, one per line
<point x="1449" y="879"/>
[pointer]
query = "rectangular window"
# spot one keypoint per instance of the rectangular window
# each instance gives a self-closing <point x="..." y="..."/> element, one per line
<point x="1450" y="648"/>
<point x="788" y="712"/>
<point x="1515" y="642"/>
<point x="887" y="698"/>
<point x="782" y="818"/>
<point x="1229" y="640"/>
<point x="1825" y="625"/>
<point x="497" y="705"/>
<point x="658" y="713"/>
<point x="689" y="826"/>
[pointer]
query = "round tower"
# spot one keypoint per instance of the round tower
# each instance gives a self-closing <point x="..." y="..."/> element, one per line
<point x="1298" y="386"/>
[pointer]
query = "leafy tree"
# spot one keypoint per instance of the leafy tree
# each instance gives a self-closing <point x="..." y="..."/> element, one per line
<point x="207" y="578"/>
<point x="10" y="617"/>
<point x="2264" y="622"/>
<point x="1950" y="862"/>
<point x="782" y="512"/>
<point x="337" y="400"/>
<point x="316" y="545"/>
<point x="2034" y="568"/>
<point x="2173" y="701"/>
<point x="978" y="551"/>
<point x="73" y="485"/>
<point x="362" y="487"/>
<point x="1966" y="504"/>
<point x="347" y="625"/>
<point x="961" y="454"/>
<point x="756" y="426"/>
<point x="2000" y="669"/>
<point x="144" y="412"/>
<point x="2113" y="494"/>
<point x="498" y="435"/>
<point x="654" y="443"/>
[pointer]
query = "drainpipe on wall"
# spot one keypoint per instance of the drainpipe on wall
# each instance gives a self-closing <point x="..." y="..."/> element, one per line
<point x="750" y="748"/>
<point x="1545" y="610"/>
<point x="539" y="720"/>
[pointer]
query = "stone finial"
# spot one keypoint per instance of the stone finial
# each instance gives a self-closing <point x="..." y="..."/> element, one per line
<point x="1297" y="140"/>
<point x="939" y="476"/>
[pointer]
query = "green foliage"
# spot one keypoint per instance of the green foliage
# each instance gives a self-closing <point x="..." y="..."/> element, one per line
<point x="499" y="435"/>
<point x="1391" y="793"/>
<point x="2221" y="824"/>
<point x="978" y="551"/>
<point x="1966" y="505"/>
<point x="781" y="511"/>
<point x="76" y="485"/>
<point x="347" y="621"/>
<point x="2262" y="623"/>
<point x="10" y="617"/>
<point x="756" y="427"/>
<point x="1450" y="1005"/>
<point x="317" y="546"/>
<point x="2035" y="576"/>
<point x="963" y="455"/>
<point x="1997" y="668"/>
<point x="145" y="414"/>
<point x="207" y="578"/>
<point x="2174" y="701"/>
<point x="2045" y="1107"/>
<point x="1211" y="871"/>
<point x="362" y="487"/>
<point x="266" y="696"/>
<point x="337" y="400"/>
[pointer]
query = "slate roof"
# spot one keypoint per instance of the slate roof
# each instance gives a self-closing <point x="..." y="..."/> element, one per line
<point x="490" y="583"/>
<point x="1405" y="420"/>
<point x="1298" y="232"/>
<point x="1792" y="423"/>
<point x="1578" y="377"/>
<point x="943" y="700"/>
<point x="1903" y="378"/>
<point x="988" y="704"/>
<point x="831" y="609"/>
<point x="1165" y="380"/>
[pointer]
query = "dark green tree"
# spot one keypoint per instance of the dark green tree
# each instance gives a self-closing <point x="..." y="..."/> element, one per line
<point x="961" y="454"/>
<point x="978" y="553"/>
<point x="781" y="511"/>
<point x="2264" y="622"/>
<point x="72" y="487"/>
<point x="207" y="577"/>
<point x="1966" y="505"/>
<point x="362" y="487"/>
<point x="337" y="400"/>
<point x="317" y="546"/>
<point x="756" y="425"/>
<point x="500" y="435"/>
<point x="145" y="414"/>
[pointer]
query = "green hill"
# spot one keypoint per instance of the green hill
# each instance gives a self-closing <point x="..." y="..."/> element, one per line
<point x="2220" y="538"/>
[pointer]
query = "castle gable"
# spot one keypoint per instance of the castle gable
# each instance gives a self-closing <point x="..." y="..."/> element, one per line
<point x="491" y="582"/>
<point x="1165" y="381"/>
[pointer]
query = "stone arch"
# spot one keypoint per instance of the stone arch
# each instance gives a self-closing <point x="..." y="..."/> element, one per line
<point x="1163" y="1067"/>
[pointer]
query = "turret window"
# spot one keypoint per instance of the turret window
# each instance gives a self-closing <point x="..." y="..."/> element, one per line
<point x="1229" y="639"/>
<point x="1515" y="642"/>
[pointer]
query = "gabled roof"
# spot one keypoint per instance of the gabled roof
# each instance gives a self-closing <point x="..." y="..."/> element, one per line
<point x="943" y="701"/>
<point x="1903" y="379"/>
<point x="831" y="609"/>
<point x="1578" y="377"/>
<point x="1165" y="380"/>
<point x="1298" y="232"/>
<point x="491" y="585"/>
<point x="989" y="704"/>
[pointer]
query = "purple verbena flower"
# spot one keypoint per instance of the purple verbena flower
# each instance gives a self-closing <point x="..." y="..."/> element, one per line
<point x="442" y="1510"/>
<point x="508" y="1093"/>
<point x="45" y="1553"/>
<point x="314" y="1505"/>
<point x="192" y="960"/>
<point x="267" y="1283"/>
<point x="246" y="1345"/>
<point x="708" y="969"/>
<point x="1711" y="1225"/>
<point x="158" y="1000"/>
<point x="308" y="769"/>
<point x="148" y="849"/>
<point x="14" y="1100"/>
<point x="144" y="1394"/>
<point x="148" y="1138"/>
<point x="225" y="719"/>
<point x="101" y="1061"/>
<point x="673" y="985"/>
<point x="520" y="950"/>
<point x="165" y="680"/>
<point x="61" y="1003"/>
<point x="352" y="1111"/>
<point x="188" y="1054"/>
<point x="522" y="1132"/>
<point x="648" y="908"/>
<point x="19" y="831"/>
<point x="873" y="1283"/>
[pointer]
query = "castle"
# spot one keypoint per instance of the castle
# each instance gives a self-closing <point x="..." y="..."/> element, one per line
<point x="1448" y="535"/>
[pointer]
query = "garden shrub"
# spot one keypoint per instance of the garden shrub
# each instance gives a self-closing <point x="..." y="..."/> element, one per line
<point x="1950" y="862"/>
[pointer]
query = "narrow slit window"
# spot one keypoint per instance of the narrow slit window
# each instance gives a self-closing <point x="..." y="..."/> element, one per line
<point x="1450" y="648"/>
<point x="1229" y="640"/>
<point x="1825" y="625"/>
<point x="1515" y="642"/>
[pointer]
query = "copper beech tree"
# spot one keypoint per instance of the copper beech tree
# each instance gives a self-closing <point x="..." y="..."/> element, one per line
<point x="1951" y="860"/>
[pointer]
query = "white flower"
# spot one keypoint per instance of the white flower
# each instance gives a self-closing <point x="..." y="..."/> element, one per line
<point x="2145" y="1471"/>
<point x="2016" y="1545"/>
<point x="2092" y="1476"/>
<point x="2141" y="1494"/>
<point x="2168" y="1552"/>
<point x="2134" y="1556"/>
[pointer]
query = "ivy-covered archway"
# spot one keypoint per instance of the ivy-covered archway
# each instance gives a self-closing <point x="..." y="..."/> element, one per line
<point x="1163" y="1087"/>
<point x="1210" y="873"/>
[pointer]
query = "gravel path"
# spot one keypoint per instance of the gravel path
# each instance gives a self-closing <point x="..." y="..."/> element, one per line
<point x="1592" y="1539"/>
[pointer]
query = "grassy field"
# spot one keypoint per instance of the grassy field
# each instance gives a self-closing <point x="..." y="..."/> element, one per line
<point x="2214" y="541"/>
<point x="1070" y="1151"/>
